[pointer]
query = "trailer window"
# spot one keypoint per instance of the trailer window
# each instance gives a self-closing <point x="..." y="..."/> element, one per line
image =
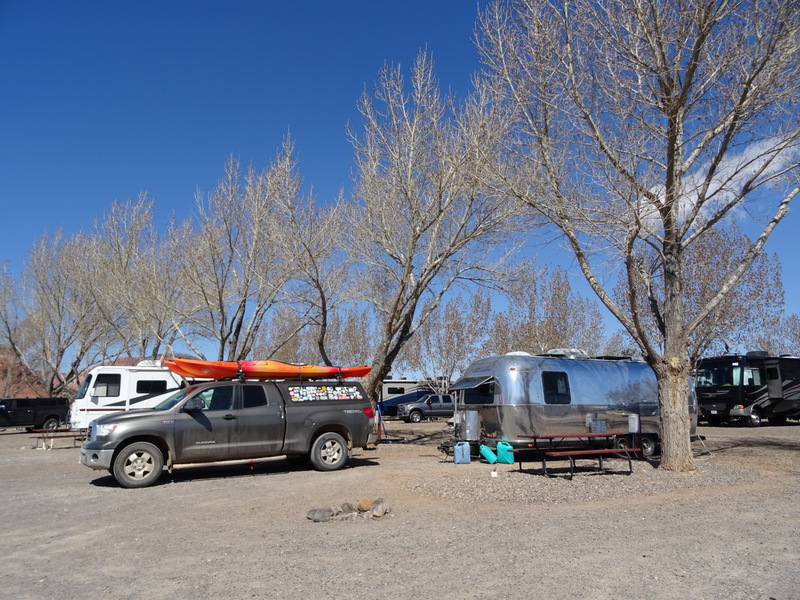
<point x="556" y="387"/>
<point x="107" y="384"/>
<point x="151" y="386"/>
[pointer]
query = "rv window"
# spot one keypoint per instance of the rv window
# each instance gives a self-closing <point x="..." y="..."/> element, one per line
<point x="772" y="373"/>
<point x="556" y="387"/>
<point x="395" y="390"/>
<point x="483" y="394"/>
<point x="107" y="384"/>
<point x="150" y="386"/>
<point x="253" y="396"/>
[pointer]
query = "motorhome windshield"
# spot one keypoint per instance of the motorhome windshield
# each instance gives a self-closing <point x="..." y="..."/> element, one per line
<point x="84" y="387"/>
<point x="728" y="374"/>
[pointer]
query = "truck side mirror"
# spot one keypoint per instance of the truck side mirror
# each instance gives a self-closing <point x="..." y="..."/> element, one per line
<point x="193" y="405"/>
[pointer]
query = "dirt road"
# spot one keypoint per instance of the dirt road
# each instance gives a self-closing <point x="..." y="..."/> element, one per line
<point x="730" y="531"/>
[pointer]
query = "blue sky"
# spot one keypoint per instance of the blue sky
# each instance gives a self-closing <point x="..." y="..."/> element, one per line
<point x="101" y="100"/>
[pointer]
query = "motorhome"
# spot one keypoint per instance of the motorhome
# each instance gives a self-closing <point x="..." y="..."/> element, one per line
<point x="749" y="388"/>
<point x="518" y="394"/>
<point x="112" y="389"/>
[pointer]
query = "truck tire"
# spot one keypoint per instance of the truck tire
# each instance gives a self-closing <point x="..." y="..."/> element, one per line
<point x="415" y="416"/>
<point x="138" y="465"/>
<point x="754" y="420"/>
<point x="51" y="423"/>
<point x="329" y="452"/>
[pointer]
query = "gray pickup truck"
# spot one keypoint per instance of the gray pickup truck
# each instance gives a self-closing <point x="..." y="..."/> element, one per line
<point x="432" y="405"/>
<point x="232" y="420"/>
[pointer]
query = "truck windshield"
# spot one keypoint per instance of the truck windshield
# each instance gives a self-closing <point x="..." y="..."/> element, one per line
<point x="175" y="398"/>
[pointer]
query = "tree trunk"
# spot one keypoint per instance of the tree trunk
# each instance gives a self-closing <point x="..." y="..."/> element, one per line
<point x="673" y="397"/>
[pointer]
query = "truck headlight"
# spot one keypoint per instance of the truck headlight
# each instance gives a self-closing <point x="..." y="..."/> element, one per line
<point x="103" y="430"/>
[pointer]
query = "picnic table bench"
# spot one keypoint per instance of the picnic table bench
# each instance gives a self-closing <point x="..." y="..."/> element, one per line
<point x="566" y="445"/>
<point x="45" y="437"/>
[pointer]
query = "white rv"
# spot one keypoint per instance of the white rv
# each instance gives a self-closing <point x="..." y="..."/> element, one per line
<point x="111" y="389"/>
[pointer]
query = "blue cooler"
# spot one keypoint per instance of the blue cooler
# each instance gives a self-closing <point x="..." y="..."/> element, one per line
<point x="504" y="454"/>
<point x="461" y="453"/>
<point x="487" y="453"/>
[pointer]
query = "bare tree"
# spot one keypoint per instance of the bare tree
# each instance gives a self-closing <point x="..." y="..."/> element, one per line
<point x="545" y="313"/>
<point x="645" y="125"/>
<point x="48" y="314"/>
<point x="241" y="264"/>
<point x="454" y="335"/>
<point x="136" y="290"/>
<point x="419" y="221"/>
<point x="749" y="315"/>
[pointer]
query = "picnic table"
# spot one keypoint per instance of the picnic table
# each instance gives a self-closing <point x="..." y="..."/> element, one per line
<point x="572" y="446"/>
<point x="45" y="437"/>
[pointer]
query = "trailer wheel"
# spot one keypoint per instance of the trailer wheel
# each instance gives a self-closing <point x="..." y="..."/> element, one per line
<point x="138" y="465"/>
<point x="754" y="420"/>
<point x="415" y="416"/>
<point x="329" y="452"/>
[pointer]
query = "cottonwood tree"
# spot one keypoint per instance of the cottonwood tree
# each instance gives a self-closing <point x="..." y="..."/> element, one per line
<point x="241" y="262"/>
<point x="136" y="289"/>
<point x="645" y="125"/>
<point x="48" y="313"/>
<point x="545" y="313"/>
<point x="454" y="335"/>
<point x="750" y="314"/>
<point x="419" y="220"/>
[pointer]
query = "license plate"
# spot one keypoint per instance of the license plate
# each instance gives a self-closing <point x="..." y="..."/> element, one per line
<point x="713" y="412"/>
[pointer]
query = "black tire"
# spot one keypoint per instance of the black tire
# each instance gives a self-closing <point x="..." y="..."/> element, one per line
<point x="622" y="443"/>
<point x="51" y="423"/>
<point x="415" y="416"/>
<point x="754" y="420"/>
<point x="329" y="452"/>
<point x="138" y="465"/>
<point x="773" y="420"/>
<point x="648" y="446"/>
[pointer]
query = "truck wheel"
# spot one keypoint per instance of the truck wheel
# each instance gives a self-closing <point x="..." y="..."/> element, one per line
<point x="754" y="420"/>
<point x="648" y="446"/>
<point x="51" y="423"/>
<point x="415" y="416"/>
<point x="329" y="452"/>
<point x="138" y="465"/>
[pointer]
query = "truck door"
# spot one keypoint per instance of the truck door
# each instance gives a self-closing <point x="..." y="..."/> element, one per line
<point x="261" y="422"/>
<point x="209" y="434"/>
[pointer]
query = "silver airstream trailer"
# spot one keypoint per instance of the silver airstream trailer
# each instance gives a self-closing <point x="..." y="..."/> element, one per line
<point x="510" y="396"/>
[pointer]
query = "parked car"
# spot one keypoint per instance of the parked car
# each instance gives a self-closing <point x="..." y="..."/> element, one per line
<point x="432" y="405"/>
<point x="33" y="413"/>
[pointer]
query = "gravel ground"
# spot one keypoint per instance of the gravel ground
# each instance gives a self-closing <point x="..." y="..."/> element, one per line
<point x="729" y="530"/>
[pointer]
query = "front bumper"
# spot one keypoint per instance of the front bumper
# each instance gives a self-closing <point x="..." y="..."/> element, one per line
<point x="96" y="458"/>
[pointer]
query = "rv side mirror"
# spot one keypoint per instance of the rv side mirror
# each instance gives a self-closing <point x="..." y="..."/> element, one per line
<point x="193" y="405"/>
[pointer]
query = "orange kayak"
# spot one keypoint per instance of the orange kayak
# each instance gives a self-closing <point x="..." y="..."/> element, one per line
<point x="260" y="369"/>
